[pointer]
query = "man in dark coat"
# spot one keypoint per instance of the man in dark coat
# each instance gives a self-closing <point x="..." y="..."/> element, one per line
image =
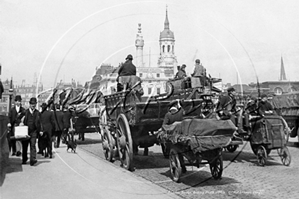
<point x="15" y="115"/>
<point x="32" y="120"/>
<point x="181" y="74"/>
<point x="264" y="107"/>
<point x="226" y="105"/>
<point x="128" y="68"/>
<point x="174" y="114"/>
<point x="47" y="123"/>
<point x="125" y="72"/>
<point x="58" y="125"/>
<point x="67" y="115"/>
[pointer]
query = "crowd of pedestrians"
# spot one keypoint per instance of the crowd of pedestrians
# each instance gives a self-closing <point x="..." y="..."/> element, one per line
<point x="48" y="125"/>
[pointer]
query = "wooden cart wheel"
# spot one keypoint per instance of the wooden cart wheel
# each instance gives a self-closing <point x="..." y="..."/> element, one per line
<point x="285" y="156"/>
<point x="124" y="142"/>
<point x="231" y="148"/>
<point x="108" y="145"/>
<point x="216" y="167"/>
<point x="261" y="155"/>
<point x="175" y="166"/>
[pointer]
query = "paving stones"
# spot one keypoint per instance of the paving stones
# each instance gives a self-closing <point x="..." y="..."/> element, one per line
<point x="241" y="178"/>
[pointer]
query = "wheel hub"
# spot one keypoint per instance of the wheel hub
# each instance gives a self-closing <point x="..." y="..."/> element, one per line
<point x="122" y="141"/>
<point x="105" y="144"/>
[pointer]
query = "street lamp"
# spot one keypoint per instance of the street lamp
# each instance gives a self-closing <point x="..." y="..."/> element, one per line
<point x="10" y="93"/>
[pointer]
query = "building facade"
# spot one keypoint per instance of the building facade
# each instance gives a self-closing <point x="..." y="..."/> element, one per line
<point x="154" y="77"/>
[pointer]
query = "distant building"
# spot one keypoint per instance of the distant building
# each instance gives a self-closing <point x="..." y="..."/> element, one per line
<point x="281" y="87"/>
<point x="153" y="78"/>
<point x="27" y="92"/>
<point x="4" y="102"/>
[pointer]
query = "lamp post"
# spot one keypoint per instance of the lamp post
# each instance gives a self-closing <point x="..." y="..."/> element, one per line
<point x="10" y="92"/>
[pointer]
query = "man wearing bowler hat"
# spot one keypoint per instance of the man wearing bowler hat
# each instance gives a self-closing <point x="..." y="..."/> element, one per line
<point x="15" y="116"/>
<point x="32" y="120"/>
<point x="47" y="123"/>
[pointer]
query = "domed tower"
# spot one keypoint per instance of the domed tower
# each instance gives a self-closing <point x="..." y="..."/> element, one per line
<point x="139" y="43"/>
<point x="167" y="59"/>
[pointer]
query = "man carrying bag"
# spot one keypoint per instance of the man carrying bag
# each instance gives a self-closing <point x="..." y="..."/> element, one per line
<point x="32" y="120"/>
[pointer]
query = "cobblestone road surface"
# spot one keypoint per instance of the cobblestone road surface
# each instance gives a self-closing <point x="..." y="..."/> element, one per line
<point x="241" y="178"/>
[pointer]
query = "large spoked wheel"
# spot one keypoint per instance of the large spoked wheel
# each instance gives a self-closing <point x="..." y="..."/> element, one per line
<point x="175" y="166"/>
<point x="231" y="148"/>
<point x="216" y="167"/>
<point x="285" y="156"/>
<point x="261" y="155"/>
<point x="108" y="146"/>
<point x="124" y="142"/>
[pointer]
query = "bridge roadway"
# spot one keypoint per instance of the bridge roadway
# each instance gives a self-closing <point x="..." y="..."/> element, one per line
<point x="241" y="178"/>
<point x="87" y="175"/>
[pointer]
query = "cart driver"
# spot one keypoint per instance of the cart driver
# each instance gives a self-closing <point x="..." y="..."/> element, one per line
<point x="226" y="105"/>
<point x="126" y="70"/>
<point x="264" y="107"/>
<point x="174" y="114"/>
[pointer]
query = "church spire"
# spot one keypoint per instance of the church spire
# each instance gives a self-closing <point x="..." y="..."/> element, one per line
<point x="167" y="20"/>
<point x="282" y="71"/>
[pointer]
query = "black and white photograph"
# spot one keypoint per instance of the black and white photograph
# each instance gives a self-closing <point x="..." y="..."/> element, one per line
<point x="149" y="99"/>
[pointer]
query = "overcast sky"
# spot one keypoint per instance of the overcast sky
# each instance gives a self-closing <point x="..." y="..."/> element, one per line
<point x="65" y="39"/>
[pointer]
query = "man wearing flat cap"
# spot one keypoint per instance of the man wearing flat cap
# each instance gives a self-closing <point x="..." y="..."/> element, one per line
<point x="199" y="71"/>
<point x="15" y="115"/>
<point x="264" y="107"/>
<point x="32" y="120"/>
<point x="226" y="105"/>
<point x="126" y="70"/>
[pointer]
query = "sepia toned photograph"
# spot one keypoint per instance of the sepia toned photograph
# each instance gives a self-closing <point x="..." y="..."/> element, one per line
<point x="149" y="99"/>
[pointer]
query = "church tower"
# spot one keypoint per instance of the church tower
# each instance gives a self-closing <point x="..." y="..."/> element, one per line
<point x="167" y="59"/>
<point x="139" y="43"/>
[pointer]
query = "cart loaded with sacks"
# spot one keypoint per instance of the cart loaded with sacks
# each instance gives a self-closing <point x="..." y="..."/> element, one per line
<point x="192" y="142"/>
<point x="129" y="121"/>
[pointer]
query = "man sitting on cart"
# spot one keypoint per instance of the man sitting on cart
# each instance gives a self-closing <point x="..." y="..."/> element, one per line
<point x="126" y="70"/>
<point x="174" y="114"/>
<point x="226" y="109"/>
<point x="264" y="107"/>
<point x="127" y="77"/>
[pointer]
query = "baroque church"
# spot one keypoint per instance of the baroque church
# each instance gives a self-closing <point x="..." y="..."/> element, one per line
<point x="153" y="77"/>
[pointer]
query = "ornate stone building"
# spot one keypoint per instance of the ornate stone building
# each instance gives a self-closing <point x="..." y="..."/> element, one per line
<point x="153" y="77"/>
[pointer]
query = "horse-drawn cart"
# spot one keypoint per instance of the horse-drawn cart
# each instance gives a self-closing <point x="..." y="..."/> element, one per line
<point x="196" y="140"/>
<point x="268" y="133"/>
<point x="264" y="134"/>
<point x="130" y="121"/>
